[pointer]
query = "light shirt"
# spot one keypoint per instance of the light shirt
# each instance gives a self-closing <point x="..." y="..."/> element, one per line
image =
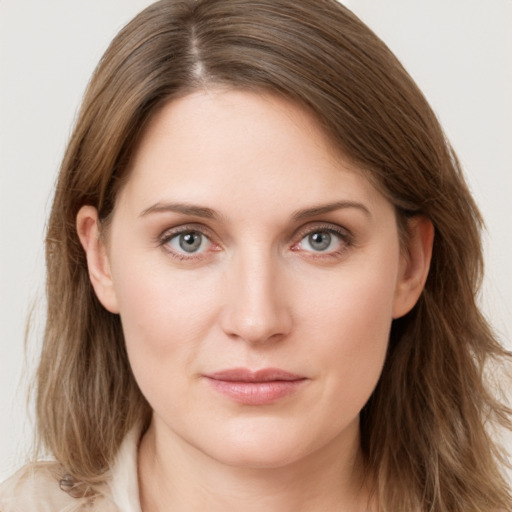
<point x="36" y="488"/>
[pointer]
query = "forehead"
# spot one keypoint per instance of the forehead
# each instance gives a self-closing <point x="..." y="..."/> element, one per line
<point x="219" y="146"/>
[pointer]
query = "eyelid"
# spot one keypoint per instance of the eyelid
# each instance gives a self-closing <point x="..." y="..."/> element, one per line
<point x="168" y="234"/>
<point x="345" y="235"/>
<point x="184" y="228"/>
<point x="312" y="227"/>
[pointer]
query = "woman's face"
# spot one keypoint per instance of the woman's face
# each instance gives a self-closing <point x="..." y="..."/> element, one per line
<point x="256" y="274"/>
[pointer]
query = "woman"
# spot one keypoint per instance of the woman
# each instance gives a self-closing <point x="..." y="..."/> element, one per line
<point x="262" y="267"/>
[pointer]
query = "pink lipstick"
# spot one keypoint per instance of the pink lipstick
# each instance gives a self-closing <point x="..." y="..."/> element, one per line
<point x="261" y="387"/>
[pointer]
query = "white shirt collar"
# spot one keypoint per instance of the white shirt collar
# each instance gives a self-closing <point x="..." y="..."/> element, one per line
<point x="124" y="484"/>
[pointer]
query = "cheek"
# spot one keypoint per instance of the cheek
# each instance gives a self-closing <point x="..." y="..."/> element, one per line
<point x="355" y="301"/>
<point x="163" y="330"/>
<point x="167" y="315"/>
<point x="350" y="324"/>
<point x="358" y="323"/>
<point x="159" y="310"/>
<point x="163" y="312"/>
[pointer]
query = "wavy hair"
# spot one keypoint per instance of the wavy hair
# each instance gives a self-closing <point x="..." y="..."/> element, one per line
<point x="426" y="429"/>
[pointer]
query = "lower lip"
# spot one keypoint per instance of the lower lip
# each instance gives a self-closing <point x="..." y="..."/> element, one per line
<point x="256" y="393"/>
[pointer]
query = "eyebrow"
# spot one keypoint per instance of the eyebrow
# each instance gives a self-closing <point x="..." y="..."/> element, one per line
<point x="208" y="213"/>
<point x="184" y="208"/>
<point x="327" y="208"/>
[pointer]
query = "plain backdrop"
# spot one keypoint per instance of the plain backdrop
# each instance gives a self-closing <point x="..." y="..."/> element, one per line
<point x="459" y="52"/>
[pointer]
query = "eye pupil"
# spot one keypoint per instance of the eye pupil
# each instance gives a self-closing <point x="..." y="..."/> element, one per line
<point x="320" y="240"/>
<point x="190" y="242"/>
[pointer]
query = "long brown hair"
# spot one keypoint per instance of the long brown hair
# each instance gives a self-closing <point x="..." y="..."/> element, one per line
<point x="424" y="430"/>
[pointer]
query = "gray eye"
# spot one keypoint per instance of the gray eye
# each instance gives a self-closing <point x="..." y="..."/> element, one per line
<point x="189" y="242"/>
<point x="320" y="240"/>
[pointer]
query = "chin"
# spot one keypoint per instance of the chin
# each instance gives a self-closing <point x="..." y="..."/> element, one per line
<point x="258" y="457"/>
<point x="267" y="447"/>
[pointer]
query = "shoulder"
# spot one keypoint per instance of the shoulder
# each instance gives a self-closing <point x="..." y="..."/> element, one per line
<point x="37" y="488"/>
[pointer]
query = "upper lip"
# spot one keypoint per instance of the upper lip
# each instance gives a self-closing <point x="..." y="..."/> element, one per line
<point x="246" y="375"/>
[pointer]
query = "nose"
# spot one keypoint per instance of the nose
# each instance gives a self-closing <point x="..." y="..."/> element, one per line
<point x="256" y="309"/>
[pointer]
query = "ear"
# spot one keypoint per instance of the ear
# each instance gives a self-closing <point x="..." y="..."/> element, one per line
<point x="88" y="229"/>
<point x="414" y="264"/>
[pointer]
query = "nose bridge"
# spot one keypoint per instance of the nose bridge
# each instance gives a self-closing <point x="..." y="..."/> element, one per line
<point x="257" y="308"/>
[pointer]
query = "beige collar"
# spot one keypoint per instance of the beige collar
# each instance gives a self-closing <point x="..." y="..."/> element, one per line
<point x="124" y="484"/>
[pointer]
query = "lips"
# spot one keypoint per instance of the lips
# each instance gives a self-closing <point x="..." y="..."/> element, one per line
<point x="260" y="387"/>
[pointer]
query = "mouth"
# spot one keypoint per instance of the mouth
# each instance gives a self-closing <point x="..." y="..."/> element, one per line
<point x="262" y="387"/>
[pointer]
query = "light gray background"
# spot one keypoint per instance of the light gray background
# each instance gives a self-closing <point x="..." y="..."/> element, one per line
<point x="459" y="52"/>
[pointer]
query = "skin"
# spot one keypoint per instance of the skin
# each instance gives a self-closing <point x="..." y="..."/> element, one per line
<point x="258" y="292"/>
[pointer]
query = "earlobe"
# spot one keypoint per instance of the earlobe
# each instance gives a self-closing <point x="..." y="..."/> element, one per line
<point x="414" y="265"/>
<point x="97" y="258"/>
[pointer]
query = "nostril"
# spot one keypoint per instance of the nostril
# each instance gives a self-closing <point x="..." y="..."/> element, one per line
<point x="267" y="327"/>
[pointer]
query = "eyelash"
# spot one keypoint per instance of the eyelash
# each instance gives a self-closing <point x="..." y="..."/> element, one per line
<point x="169" y="235"/>
<point x="346" y="240"/>
<point x="345" y="237"/>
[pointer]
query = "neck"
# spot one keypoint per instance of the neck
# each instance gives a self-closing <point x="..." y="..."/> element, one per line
<point x="176" y="476"/>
